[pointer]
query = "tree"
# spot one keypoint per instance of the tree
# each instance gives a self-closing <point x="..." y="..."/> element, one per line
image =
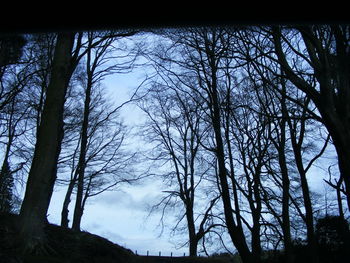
<point x="14" y="116"/>
<point x="42" y="174"/>
<point x="260" y="56"/>
<point x="327" y="59"/>
<point x="298" y="122"/>
<point x="247" y="132"/>
<point x="18" y="83"/>
<point x="90" y="70"/>
<point x="202" y="54"/>
<point x="93" y="121"/>
<point x="10" y="50"/>
<point x="338" y="185"/>
<point x="175" y="126"/>
<point x="6" y="188"/>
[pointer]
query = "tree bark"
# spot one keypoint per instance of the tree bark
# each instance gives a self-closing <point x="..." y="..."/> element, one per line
<point x="67" y="199"/>
<point x="42" y="174"/>
<point x="285" y="180"/>
<point x="78" y="210"/>
<point x="193" y="242"/>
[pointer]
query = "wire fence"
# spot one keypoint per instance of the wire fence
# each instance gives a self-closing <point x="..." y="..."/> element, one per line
<point x="159" y="254"/>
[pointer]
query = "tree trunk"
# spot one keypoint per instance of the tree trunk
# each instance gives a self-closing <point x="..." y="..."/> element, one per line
<point x="309" y="220"/>
<point x="285" y="182"/>
<point x="256" y="214"/>
<point x="285" y="207"/>
<point x="78" y="210"/>
<point x="6" y="178"/>
<point x="193" y="242"/>
<point x="66" y="202"/>
<point x="42" y="174"/>
<point x="236" y="233"/>
<point x="67" y="198"/>
<point x="343" y="151"/>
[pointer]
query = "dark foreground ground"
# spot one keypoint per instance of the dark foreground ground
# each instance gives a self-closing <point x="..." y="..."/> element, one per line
<point x="68" y="246"/>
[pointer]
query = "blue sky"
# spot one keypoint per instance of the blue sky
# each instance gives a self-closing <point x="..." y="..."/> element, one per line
<point x="122" y="216"/>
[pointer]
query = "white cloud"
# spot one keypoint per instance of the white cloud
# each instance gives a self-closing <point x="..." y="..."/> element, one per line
<point x="121" y="217"/>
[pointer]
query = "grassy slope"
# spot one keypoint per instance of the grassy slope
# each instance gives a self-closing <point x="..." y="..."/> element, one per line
<point x="63" y="245"/>
<point x="67" y="246"/>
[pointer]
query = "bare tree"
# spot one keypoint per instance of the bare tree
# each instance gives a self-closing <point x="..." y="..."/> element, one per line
<point x="11" y="48"/>
<point x="258" y="52"/>
<point x="327" y="59"/>
<point x="203" y="54"/>
<point x="96" y="125"/>
<point x="175" y="126"/>
<point x="250" y="139"/>
<point x="42" y="174"/>
<point x="14" y="119"/>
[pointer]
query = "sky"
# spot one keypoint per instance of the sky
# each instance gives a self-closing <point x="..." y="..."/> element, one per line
<point x="122" y="216"/>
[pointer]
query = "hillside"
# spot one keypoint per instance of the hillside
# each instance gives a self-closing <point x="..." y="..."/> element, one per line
<point x="63" y="245"/>
<point x="67" y="246"/>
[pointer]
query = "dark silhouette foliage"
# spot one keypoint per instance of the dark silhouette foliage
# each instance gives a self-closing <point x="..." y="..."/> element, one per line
<point x="333" y="236"/>
<point x="6" y="188"/>
<point x="10" y="49"/>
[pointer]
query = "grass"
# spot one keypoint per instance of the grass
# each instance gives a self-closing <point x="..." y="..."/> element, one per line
<point x="68" y="246"/>
<point x="62" y="245"/>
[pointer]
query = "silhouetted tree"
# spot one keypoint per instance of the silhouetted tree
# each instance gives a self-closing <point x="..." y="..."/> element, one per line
<point x="203" y="53"/>
<point x="10" y="50"/>
<point x="42" y="174"/>
<point x="326" y="56"/>
<point x="176" y="128"/>
<point x="96" y="121"/>
<point x="13" y="116"/>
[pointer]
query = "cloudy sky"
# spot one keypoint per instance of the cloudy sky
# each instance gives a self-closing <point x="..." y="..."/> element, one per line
<point x="122" y="216"/>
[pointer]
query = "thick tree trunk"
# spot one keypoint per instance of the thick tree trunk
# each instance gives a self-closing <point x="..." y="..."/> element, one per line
<point x="42" y="174"/>
<point x="342" y="145"/>
<point x="193" y="242"/>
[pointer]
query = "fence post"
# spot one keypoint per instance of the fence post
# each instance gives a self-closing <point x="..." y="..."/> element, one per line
<point x="147" y="253"/>
<point x="160" y="253"/>
<point x="171" y="254"/>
